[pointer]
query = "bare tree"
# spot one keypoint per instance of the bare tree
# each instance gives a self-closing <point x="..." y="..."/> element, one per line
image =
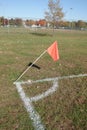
<point x="54" y="13"/>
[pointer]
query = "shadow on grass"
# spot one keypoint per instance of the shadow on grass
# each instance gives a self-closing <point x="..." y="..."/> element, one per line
<point x="41" y="34"/>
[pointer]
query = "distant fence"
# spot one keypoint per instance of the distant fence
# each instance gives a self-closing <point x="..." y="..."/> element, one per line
<point x="14" y="24"/>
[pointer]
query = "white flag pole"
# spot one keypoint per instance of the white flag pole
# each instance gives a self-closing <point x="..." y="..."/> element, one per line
<point x="31" y="65"/>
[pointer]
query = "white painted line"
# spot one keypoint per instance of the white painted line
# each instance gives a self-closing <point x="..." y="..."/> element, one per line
<point x="73" y="76"/>
<point x="30" y="109"/>
<point x="47" y="93"/>
<point x="28" y="101"/>
<point x="57" y="78"/>
<point x="52" y="79"/>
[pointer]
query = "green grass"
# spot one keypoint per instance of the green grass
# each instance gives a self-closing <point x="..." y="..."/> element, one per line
<point x="67" y="108"/>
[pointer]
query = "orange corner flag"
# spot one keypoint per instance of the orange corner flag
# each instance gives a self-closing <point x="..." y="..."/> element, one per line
<point x="53" y="51"/>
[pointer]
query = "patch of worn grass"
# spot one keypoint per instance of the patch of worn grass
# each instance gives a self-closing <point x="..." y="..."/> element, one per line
<point x="66" y="108"/>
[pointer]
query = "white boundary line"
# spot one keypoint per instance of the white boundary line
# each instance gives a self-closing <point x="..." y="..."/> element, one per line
<point x="51" y="79"/>
<point x="30" y="109"/>
<point x="28" y="101"/>
<point x="47" y="93"/>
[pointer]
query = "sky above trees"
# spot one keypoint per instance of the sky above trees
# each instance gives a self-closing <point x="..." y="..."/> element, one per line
<point x="73" y="9"/>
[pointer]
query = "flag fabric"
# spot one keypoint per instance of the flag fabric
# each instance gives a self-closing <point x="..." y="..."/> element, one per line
<point x="53" y="51"/>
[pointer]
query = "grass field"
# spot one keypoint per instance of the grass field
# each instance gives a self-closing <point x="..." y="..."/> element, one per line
<point x="66" y="109"/>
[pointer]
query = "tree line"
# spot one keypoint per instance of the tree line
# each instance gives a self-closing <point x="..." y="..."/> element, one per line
<point x="42" y="23"/>
<point x="53" y="19"/>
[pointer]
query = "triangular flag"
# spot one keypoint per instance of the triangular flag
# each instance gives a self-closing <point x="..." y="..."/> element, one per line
<point x="53" y="51"/>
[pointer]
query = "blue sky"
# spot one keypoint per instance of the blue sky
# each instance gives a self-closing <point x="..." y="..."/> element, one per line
<point x="74" y="9"/>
